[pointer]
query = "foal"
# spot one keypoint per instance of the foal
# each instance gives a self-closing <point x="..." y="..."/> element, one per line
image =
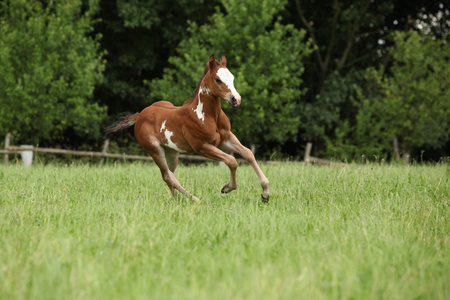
<point x="199" y="126"/>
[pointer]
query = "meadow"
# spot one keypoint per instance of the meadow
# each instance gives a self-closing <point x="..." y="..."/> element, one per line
<point x="115" y="232"/>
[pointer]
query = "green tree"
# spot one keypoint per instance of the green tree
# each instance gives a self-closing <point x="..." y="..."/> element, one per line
<point x="264" y="55"/>
<point x="344" y="32"/>
<point x="139" y="36"/>
<point x="416" y="105"/>
<point x="49" y="68"/>
<point x="402" y="109"/>
<point x="360" y="130"/>
<point x="349" y="36"/>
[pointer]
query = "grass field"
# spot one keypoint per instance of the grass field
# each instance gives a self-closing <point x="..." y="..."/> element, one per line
<point x="114" y="232"/>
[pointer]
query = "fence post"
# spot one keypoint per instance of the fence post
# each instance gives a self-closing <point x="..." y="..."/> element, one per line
<point x="105" y="148"/>
<point x="7" y="140"/>
<point x="27" y="155"/>
<point x="308" y="152"/>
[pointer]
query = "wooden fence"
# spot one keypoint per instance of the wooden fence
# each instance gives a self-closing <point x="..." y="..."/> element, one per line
<point x="104" y="154"/>
<point x="320" y="161"/>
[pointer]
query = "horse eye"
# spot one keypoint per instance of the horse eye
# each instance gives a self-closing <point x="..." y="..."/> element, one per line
<point x="217" y="81"/>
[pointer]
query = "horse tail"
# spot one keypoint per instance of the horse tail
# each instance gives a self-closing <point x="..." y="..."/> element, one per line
<point x="124" y="122"/>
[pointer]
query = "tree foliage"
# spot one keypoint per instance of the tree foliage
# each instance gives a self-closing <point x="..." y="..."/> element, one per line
<point x="409" y="104"/>
<point x="49" y="69"/>
<point x="139" y="36"/>
<point x="349" y="76"/>
<point x="344" y="32"/>
<point x="264" y="55"/>
<point x="359" y="132"/>
<point x="350" y="36"/>
<point x="416" y="102"/>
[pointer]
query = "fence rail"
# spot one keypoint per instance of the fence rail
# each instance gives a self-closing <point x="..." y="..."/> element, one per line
<point x="104" y="154"/>
<point x="17" y="149"/>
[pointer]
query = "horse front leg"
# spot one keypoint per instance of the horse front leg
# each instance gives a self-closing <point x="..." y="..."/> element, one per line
<point x="231" y="143"/>
<point x="214" y="153"/>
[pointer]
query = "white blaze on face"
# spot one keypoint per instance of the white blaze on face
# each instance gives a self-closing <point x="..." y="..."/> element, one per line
<point x="226" y="77"/>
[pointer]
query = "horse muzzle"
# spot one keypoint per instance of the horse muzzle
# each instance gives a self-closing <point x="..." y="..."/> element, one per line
<point x="234" y="101"/>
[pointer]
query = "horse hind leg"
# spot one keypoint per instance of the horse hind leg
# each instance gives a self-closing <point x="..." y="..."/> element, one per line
<point x="175" y="186"/>
<point x="166" y="165"/>
<point x="172" y="163"/>
<point x="171" y="158"/>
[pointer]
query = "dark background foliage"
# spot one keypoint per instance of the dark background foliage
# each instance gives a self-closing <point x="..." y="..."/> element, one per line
<point x="335" y="73"/>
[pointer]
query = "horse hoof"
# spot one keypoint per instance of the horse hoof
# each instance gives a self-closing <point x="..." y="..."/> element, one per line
<point x="227" y="188"/>
<point x="265" y="199"/>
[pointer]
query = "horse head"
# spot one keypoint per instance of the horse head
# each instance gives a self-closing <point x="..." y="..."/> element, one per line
<point x="221" y="81"/>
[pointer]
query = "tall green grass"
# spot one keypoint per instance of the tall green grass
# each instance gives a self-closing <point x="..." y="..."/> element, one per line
<point x="114" y="232"/>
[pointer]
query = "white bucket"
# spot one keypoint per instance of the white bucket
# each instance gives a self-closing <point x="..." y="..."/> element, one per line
<point x="27" y="155"/>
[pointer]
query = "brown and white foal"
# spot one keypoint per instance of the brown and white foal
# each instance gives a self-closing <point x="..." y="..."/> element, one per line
<point x="199" y="126"/>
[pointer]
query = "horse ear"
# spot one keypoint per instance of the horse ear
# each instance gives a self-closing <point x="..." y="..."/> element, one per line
<point x="223" y="61"/>
<point x="211" y="62"/>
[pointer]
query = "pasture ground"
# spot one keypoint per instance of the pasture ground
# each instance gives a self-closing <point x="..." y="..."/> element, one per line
<point x="114" y="232"/>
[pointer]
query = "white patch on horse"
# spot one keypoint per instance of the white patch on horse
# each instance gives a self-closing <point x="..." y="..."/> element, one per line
<point x="163" y="126"/>
<point x="199" y="109"/>
<point x="204" y="90"/>
<point x="227" y="78"/>
<point x="168" y="134"/>
<point x="171" y="144"/>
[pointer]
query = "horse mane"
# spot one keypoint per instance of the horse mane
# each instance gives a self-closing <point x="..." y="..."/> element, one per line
<point x="192" y="96"/>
